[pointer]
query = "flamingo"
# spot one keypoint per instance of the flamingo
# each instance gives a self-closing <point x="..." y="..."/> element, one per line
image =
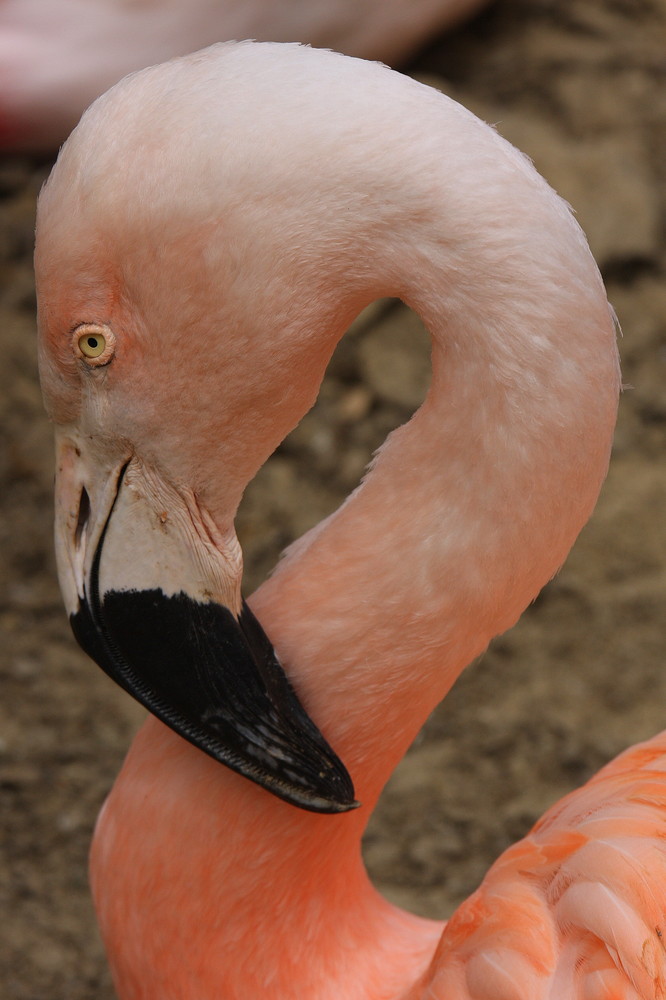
<point x="56" y="56"/>
<point x="208" y="233"/>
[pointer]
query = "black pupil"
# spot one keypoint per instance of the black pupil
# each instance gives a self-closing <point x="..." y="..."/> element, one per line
<point x="92" y="342"/>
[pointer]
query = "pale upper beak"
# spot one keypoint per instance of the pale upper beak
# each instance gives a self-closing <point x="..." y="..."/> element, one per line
<point x="152" y="589"/>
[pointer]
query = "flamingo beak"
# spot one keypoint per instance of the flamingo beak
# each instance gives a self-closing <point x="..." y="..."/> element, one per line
<point x="152" y="589"/>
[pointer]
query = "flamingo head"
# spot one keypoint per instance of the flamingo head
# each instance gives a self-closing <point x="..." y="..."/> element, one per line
<point x="168" y="343"/>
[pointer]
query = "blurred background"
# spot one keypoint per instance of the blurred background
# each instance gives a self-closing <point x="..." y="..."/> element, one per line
<point x="580" y="85"/>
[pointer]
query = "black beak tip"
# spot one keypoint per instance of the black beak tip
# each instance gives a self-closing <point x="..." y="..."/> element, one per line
<point x="215" y="680"/>
<point x="313" y="802"/>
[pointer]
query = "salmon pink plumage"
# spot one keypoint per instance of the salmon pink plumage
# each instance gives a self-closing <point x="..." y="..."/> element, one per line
<point x="207" y="235"/>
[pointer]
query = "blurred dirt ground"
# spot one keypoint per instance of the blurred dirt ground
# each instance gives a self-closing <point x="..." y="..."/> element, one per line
<point x="581" y="86"/>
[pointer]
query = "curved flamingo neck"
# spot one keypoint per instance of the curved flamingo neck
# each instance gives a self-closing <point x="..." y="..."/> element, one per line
<point x="467" y="511"/>
<point x="471" y="507"/>
<point x="275" y="905"/>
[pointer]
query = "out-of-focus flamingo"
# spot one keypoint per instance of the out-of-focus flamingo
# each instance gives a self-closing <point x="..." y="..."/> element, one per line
<point x="207" y="235"/>
<point x="57" y="56"/>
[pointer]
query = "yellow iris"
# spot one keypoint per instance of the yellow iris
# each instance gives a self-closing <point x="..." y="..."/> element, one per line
<point x="92" y="345"/>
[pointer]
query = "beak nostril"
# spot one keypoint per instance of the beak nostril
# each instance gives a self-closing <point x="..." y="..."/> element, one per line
<point x="84" y="514"/>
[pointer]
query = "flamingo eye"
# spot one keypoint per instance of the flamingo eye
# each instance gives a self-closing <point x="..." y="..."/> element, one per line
<point x="94" y="343"/>
<point x="92" y="346"/>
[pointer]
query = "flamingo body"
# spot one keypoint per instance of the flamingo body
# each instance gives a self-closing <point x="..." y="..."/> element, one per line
<point x="208" y="233"/>
<point x="57" y="56"/>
